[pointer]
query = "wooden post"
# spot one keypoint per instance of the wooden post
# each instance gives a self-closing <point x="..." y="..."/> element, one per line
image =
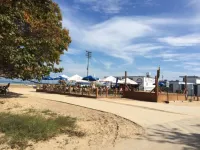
<point x="106" y="92"/>
<point x="156" y="88"/>
<point x="70" y="89"/>
<point x="89" y="91"/>
<point x="125" y="77"/>
<point x="177" y="96"/>
<point x="186" y="90"/>
<point x="125" y="83"/>
<point x="64" y="88"/>
<point x="115" y="92"/>
<point x="97" y="92"/>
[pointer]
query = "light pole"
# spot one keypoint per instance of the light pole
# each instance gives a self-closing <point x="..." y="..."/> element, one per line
<point x="88" y="55"/>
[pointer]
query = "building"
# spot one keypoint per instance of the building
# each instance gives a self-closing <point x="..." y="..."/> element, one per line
<point x="145" y="83"/>
<point x="193" y="85"/>
<point x="179" y="86"/>
<point x="196" y="82"/>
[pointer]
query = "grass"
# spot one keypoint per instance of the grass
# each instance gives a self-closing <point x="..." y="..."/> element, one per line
<point x="30" y="110"/>
<point x="49" y="113"/>
<point x="21" y="128"/>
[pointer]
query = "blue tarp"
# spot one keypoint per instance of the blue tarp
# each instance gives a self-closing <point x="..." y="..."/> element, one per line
<point x="161" y="83"/>
<point x="59" y="78"/>
<point x="47" y="78"/>
<point x="90" y="78"/>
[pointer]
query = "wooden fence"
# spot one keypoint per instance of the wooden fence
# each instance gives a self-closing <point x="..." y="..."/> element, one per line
<point x="153" y="97"/>
<point x="79" y="91"/>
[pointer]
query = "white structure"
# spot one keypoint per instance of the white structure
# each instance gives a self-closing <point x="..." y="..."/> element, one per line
<point x="75" y="78"/>
<point x="145" y="83"/>
<point x="128" y="81"/>
<point x="109" y="79"/>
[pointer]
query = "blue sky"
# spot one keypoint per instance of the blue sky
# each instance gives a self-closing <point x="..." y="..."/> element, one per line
<point x="132" y="35"/>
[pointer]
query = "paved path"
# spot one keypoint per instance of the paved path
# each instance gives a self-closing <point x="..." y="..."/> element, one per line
<point x="167" y="127"/>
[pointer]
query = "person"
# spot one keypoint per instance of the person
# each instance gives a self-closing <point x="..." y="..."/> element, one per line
<point x="121" y="90"/>
<point x="93" y="86"/>
<point x="186" y="93"/>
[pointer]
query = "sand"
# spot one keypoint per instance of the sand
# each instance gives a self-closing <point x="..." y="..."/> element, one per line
<point x="102" y="129"/>
<point x="167" y="126"/>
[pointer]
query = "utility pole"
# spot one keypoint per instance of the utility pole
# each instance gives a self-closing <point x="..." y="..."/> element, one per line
<point x="88" y="55"/>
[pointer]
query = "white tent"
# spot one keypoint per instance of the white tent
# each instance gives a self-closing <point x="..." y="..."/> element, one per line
<point x="75" y="78"/>
<point x="82" y="81"/>
<point x="109" y="79"/>
<point x="64" y="76"/>
<point x="129" y="81"/>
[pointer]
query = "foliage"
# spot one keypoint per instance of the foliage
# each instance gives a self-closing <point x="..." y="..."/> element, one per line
<point x="31" y="37"/>
<point x="19" y="129"/>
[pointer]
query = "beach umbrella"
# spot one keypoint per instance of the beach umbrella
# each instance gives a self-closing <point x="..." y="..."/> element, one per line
<point x="90" y="78"/>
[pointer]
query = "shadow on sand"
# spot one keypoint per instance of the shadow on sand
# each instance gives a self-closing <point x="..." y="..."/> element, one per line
<point x="12" y="95"/>
<point x="175" y="136"/>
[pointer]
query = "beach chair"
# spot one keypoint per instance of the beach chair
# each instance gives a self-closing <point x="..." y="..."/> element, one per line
<point x="4" y="89"/>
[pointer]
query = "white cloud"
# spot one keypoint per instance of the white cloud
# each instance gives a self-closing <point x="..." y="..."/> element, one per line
<point x="72" y="68"/>
<point x="107" y="64"/>
<point x="178" y="57"/>
<point x="192" y="63"/>
<point x="73" y="51"/>
<point x="116" y="37"/>
<point x="187" y="40"/>
<point x="127" y="37"/>
<point x="147" y="68"/>
<point x="106" y="6"/>
<point x="115" y="32"/>
<point x="114" y="6"/>
<point x="195" y="4"/>
<point x="120" y="37"/>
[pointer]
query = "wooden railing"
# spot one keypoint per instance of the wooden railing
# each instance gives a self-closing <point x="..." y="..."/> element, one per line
<point x="99" y="92"/>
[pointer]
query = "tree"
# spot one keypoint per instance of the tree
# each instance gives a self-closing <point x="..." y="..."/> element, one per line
<point x="31" y="38"/>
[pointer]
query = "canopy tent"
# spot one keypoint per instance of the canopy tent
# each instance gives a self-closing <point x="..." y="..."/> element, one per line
<point x="90" y="78"/>
<point x="109" y="79"/>
<point x="128" y="81"/>
<point x="75" y="78"/>
<point x="82" y="81"/>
